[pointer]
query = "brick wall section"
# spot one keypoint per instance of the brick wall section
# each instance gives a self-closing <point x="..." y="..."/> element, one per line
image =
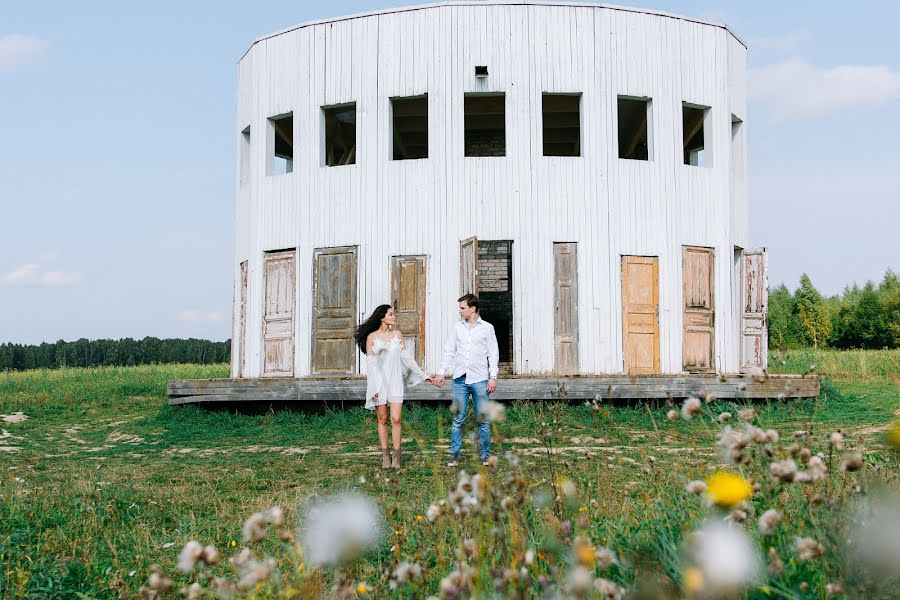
<point x="485" y="143"/>
<point x="495" y="292"/>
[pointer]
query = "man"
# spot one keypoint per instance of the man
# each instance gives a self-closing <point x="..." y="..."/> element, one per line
<point x="472" y="355"/>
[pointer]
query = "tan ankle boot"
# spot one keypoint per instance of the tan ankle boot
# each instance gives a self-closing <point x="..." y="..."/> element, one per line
<point x="385" y="458"/>
<point x="395" y="464"/>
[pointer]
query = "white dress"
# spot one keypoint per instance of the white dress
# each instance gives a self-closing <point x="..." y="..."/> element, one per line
<point x="387" y="369"/>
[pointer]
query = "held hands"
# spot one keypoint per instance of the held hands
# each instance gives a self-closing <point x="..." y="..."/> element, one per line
<point x="492" y="385"/>
<point x="437" y="381"/>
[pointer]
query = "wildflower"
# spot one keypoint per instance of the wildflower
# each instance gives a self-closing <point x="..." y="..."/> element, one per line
<point x="608" y="589"/>
<point x="696" y="487"/>
<point x="275" y="516"/>
<point x="579" y="582"/>
<point x="404" y="573"/>
<point x="492" y="461"/>
<point x="335" y="530"/>
<point x="808" y="548"/>
<point x="492" y="412"/>
<point x="768" y="521"/>
<point x="193" y="591"/>
<point x="710" y="398"/>
<point x="605" y="557"/>
<point x="362" y="588"/>
<point x="457" y="583"/>
<point x="893" y="435"/>
<point x="583" y="551"/>
<point x="851" y="462"/>
<point x="566" y="486"/>
<point x="725" y="557"/>
<point x="158" y="581"/>
<point x="529" y="558"/>
<point x="512" y="458"/>
<point x="725" y="416"/>
<point x="255" y="528"/>
<point x="837" y="440"/>
<point x="737" y="515"/>
<point x="776" y="565"/>
<point x="793" y="450"/>
<point x="233" y="543"/>
<point x="432" y="513"/>
<point x="190" y="554"/>
<point x="733" y="443"/>
<point x="210" y="555"/>
<point x="690" y="408"/>
<point x="772" y="436"/>
<point x="255" y="572"/>
<point x="747" y="414"/>
<point x="672" y="415"/>
<point x="241" y="558"/>
<point x="727" y="489"/>
<point x="834" y="589"/>
<point x="693" y="580"/>
<point x="785" y="470"/>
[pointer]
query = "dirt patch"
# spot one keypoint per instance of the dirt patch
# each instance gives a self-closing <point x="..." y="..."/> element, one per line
<point x="16" y="417"/>
<point x="124" y="438"/>
<point x="9" y="449"/>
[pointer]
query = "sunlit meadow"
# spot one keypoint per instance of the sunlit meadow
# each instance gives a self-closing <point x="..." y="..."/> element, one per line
<point x="106" y="492"/>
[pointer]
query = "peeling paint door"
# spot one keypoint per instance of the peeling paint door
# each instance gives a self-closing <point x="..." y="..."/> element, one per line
<point x="698" y="339"/>
<point x="565" y="320"/>
<point x="754" y="311"/>
<point x="468" y="266"/>
<point x="334" y="311"/>
<point x="408" y="300"/>
<point x="278" y="314"/>
<point x="640" y="314"/>
<point x="242" y="324"/>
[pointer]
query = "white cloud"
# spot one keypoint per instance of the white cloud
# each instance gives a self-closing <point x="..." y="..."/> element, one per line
<point x="37" y="274"/>
<point x="794" y="89"/>
<point x="191" y="314"/>
<point x="18" y="51"/>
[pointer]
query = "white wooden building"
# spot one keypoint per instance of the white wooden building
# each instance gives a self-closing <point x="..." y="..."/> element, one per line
<point x="582" y="167"/>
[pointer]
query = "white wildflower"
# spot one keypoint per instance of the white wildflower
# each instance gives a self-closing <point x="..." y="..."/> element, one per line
<point x="190" y="554"/>
<point x="335" y="530"/>
<point x="255" y="528"/>
<point x="492" y="412"/>
<point x="726" y="557"/>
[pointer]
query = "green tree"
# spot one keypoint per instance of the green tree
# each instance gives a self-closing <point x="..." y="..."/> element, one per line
<point x="812" y="314"/>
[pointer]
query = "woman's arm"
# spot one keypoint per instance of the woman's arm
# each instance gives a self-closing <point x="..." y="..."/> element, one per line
<point x="416" y="372"/>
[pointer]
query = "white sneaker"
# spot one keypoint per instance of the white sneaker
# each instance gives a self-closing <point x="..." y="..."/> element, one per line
<point x="453" y="462"/>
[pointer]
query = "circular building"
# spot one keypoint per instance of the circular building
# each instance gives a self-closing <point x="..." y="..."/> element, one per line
<point x="582" y="168"/>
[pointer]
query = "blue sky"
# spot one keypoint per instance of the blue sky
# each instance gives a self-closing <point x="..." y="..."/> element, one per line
<point x="114" y="223"/>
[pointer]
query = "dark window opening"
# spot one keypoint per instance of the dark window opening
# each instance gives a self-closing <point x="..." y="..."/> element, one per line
<point x="633" y="122"/>
<point x="562" y="124"/>
<point x="245" y="155"/>
<point x="494" y="285"/>
<point x="340" y="134"/>
<point x="281" y="129"/>
<point x="485" y="125"/>
<point x="693" y="125"/>
<point x="410" y="127"/>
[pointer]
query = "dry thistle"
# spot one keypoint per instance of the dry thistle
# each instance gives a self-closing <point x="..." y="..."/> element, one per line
<point x="255" y="528"/>
<point x="696" y="487"/>
<point x="852" y="462"/>
<point x="837" y="440"/>
<point x="190" y="554"/>
<point x="776" y="565"/>
<point x="672" y="415"/>
<point x="747" y="414"/>
<point x="769" y="521"/>
<point x="691" y="407"/>
<point x="725" y="416"/>
<point x="808" y="549"/>
<point x="784" y="471"/>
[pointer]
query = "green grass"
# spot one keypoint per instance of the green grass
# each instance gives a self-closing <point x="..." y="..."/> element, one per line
<point x="109" y="480"/>
<point x="843" y="365"/>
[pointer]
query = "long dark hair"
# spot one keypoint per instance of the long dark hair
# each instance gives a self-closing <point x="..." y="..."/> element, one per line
<point x="373" y="323"/>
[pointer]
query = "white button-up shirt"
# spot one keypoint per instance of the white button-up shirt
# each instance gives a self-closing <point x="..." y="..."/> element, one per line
<point x="472" y="351"/>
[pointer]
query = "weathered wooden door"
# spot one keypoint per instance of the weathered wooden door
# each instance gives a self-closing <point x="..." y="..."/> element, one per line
<point x="242" y="325"/>
<point x="334" y="311"/>
<point x="278" y="314"/>
<point x="754" y="311"/>
<point x="468" y="266"/>
<point x="640" y="314"/>
<point x="408" y="300"/>
<point x="565" y="321"/>
<point x="698" y="339"/>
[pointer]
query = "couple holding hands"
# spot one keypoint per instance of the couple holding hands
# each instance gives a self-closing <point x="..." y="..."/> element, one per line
<point x="471" y="354"/>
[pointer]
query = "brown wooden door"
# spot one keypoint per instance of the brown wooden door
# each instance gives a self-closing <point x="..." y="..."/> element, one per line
<point x="408" y="300"/>
<point x="278" y="314"/>
<point x="754" y="311"/>
<point x="565" y="321"/>
<point x="640" y="314"/>
<point x="242" y="325"/>
<point x="698" y="339"/>
<point x="334" y="311"/>
<point x="468" y="266"/>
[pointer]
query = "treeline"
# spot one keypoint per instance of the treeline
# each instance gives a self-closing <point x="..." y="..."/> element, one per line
<point x="124" y="352"/>
<point x="866" y="317"/>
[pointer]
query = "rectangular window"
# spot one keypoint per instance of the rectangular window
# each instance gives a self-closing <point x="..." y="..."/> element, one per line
<point x="485" y="124"/>
<point x="634" y="127"/>
<point x="280" y="144"/>
<point x="340" y="134"/>
<point x="695" y="131"/>
<point x="245" y="156"/>
<point x="409" y="131"/>
<point x="562" y="124"/>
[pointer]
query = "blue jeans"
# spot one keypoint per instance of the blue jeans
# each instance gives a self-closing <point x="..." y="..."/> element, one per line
<point x="460" y="396"/>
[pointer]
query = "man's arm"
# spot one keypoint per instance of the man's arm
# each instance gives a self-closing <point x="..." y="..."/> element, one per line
<point x="493" y="359"/>
<point x="447" y="360"/>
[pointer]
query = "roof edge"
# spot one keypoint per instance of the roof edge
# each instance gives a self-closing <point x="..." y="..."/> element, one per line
<point x="446" y="3"/>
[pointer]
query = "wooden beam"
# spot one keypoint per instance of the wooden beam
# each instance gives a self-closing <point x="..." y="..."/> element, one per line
<point x="639" y="134"/>
<point x="693" y="128"/>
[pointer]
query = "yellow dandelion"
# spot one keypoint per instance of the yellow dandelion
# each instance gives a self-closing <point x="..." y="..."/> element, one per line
<point x="399" y="532"/>
<point x="233" y="543"/>
<point x="693" y="580"/>
<point x="586" y="555"/>
<point x="893" y="435"/>
<point x="419" y="517"/>
<point x="727" y="489"/>
<point x="362" y="588"/>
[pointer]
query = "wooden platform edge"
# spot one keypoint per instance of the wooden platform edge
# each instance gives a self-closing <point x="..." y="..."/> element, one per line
<point x="581" y="388"/>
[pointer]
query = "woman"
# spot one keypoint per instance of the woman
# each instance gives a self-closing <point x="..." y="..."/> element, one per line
<point x="387" y="365"/>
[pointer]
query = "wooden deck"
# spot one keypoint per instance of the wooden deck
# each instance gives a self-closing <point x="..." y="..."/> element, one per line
<point x="615" y="387"/>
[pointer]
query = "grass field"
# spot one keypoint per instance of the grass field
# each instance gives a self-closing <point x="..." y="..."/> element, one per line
<point x="102" y="480"/>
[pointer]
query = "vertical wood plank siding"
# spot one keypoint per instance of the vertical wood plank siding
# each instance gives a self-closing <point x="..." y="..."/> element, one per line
<point x="609" y="207"/>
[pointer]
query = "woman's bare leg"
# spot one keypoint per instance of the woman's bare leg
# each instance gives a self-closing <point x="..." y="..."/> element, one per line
<point x="382" y="413"/>
<point x="396" y="432"/>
